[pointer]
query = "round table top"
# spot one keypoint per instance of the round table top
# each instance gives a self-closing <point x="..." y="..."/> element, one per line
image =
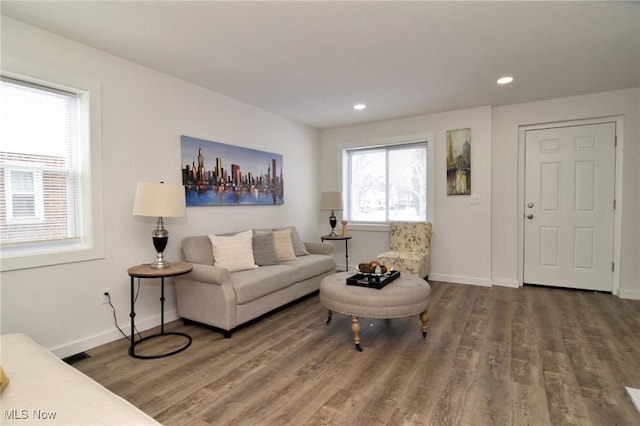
<point x="407" y="295"/>
<point x="146" y="271"/>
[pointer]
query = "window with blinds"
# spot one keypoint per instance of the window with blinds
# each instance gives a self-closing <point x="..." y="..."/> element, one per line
<point x="40" y="167"/>
<point x="24" y="196"/>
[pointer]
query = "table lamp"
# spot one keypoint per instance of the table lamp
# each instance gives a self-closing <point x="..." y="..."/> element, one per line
<point x="331" y="201"/>
<point x="159" y="200"/>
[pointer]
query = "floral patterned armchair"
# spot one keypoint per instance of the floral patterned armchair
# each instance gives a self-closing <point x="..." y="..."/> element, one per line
<point x="409" y="248"/>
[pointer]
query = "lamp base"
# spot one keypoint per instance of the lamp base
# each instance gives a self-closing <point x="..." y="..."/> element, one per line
<point x="333" y="222"/>
<point x="160" y="263"/>
<point x="160" y="238"/>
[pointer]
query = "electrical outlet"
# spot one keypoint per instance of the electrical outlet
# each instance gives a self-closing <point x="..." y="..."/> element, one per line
<point x="104" y="298"/>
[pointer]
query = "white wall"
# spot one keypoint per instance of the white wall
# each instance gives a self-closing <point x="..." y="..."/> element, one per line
<point x="144" y="113"/>
<point x="461" y="239"/>
<point x="506" y="121"/>
<point x="478" y="244"/>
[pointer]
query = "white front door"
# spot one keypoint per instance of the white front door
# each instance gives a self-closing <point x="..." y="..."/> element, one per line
<point x="569" y="206"/>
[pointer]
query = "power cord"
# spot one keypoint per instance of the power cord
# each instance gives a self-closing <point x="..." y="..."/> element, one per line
<point x="115" y="318"/>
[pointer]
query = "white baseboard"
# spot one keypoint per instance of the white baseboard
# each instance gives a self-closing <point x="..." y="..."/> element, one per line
<point x="506" y="282"/>
<point x="458" y="279"/>
<point x="112" y="335"/>
<point x="630" y="294"/>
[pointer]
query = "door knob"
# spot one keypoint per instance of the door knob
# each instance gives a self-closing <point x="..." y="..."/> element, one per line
<point x="529" y="216"/>
<point x="530" y="205"/>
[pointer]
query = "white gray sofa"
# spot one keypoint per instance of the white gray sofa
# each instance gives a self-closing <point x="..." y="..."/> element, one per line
<point x="225" y="297"/>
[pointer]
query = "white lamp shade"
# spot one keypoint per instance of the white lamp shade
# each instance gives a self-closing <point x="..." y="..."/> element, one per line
<point x="331" y="201"/>
<point x="159" y="200"/>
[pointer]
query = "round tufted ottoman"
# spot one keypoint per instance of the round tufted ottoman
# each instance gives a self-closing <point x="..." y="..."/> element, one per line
<point x="406" y="296"/>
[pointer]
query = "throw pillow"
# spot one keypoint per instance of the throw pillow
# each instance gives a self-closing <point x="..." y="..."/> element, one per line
<point x="4" y="380"/>
<point x="235" y="252"/>
<point x="284" y="247"/>
<point x="298" y="245"/>
<point x="264" y="249"/>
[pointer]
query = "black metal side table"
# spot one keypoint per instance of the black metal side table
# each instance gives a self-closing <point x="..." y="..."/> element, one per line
<point x="145" y="271"/>
<point x="346" y="245"/>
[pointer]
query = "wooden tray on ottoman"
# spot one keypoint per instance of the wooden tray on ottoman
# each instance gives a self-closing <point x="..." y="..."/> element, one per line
<point x="372" y="280"/>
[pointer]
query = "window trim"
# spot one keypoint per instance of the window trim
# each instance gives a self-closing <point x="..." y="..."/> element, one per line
<point x="385" y="142"/>
<point x="91" y="245"/>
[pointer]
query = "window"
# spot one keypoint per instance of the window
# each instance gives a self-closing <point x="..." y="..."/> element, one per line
<point x="46" y="207"/>
<point x="24" y="196"/>
<point x="387" y="183"/>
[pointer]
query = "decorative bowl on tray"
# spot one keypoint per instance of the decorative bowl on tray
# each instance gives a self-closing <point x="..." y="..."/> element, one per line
<point x="373" y="268"/>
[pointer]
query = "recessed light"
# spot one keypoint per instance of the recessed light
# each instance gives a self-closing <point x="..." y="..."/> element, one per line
<point x="359" y="106"/>
<point x="505" y="80"/>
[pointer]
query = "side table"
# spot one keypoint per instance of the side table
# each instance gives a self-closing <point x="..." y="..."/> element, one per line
<point x="346" y="245"/>
<point x="145" y="271"/>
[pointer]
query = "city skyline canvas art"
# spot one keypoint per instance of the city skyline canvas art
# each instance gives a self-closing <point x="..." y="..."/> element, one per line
<point x="218" y="174"/>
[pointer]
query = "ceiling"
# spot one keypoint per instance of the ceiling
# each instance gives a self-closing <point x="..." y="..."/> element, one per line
<point x="311" y="61"/>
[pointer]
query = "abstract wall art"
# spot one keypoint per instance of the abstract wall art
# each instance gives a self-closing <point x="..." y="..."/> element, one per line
<point x="459" y="162"/>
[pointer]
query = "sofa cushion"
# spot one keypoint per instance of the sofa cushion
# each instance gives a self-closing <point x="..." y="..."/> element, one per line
<point x="198" y="250"/>
<point x="251" y="285"/>
<point x="311" y="265"/>
<point x="234" y="253"/>
<point x="284" y="247"/>
<point x="298" y="245"/>
<point x="264" y="249"/>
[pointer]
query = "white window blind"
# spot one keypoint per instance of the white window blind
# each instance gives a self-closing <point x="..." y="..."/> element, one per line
<point x="39" y="157"/>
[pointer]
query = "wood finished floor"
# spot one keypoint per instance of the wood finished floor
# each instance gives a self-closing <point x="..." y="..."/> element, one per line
<point x="493" y="356"/>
